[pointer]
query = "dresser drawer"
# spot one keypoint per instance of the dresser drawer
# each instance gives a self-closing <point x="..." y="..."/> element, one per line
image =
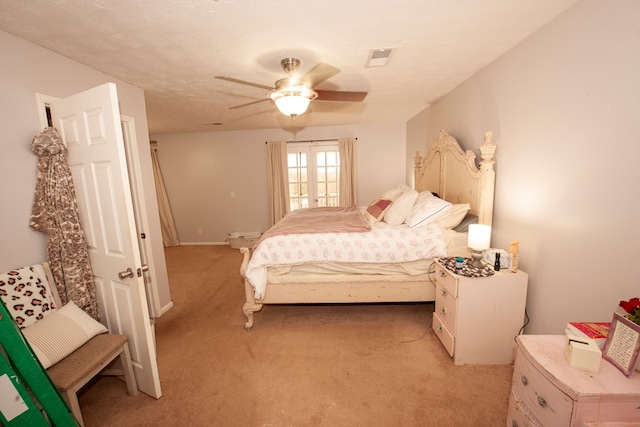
<point x="538" y="398"/>
<point x="445" y="337"/>
<point x="448" y="280"/>
<point x="516" y="417"/>
<point x="446" y="307"/>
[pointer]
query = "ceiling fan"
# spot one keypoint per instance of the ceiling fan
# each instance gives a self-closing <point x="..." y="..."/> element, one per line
<point x="293" y="94"/>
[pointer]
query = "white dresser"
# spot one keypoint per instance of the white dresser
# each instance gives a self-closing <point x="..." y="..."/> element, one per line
<point x="546" y="391"/>
<point x="478" y="318"/>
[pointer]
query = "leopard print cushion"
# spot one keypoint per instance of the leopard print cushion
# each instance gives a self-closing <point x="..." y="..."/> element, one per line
<point x="25" y="293"/>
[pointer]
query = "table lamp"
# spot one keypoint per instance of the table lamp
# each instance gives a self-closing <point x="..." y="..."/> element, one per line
<point x="479" y="239"/>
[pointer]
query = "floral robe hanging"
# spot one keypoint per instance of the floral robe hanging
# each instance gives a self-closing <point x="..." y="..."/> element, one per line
<point x="55" y="213"/>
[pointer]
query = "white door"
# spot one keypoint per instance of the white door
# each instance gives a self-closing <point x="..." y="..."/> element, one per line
<point x="89" y="123"/>
<point x="314" y="174"/>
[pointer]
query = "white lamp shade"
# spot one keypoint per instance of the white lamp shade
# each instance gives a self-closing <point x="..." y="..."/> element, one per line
<point x="479" y="236"/>
<point x="292" y="105"/>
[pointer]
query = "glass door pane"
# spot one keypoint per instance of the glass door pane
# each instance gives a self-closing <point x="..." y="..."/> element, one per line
<point x="298" y="180"/>
<point x="327" y="176"/>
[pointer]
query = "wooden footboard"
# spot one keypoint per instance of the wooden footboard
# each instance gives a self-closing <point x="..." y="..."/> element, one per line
<point x="376" y="289"/>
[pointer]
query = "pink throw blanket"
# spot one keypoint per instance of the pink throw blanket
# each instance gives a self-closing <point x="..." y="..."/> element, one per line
<point x="319" y="220"/>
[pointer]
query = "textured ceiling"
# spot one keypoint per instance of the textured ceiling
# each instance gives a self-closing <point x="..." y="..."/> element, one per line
<point x="173" y="49"/>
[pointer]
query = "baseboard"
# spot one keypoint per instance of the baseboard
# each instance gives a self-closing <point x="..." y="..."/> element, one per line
<point x="204" y="243"/>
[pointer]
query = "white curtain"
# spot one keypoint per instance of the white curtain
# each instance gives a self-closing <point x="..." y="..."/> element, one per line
<point x="277" y="181"/>
<point x="348" y="172"/>
<point x="167" y="224"/>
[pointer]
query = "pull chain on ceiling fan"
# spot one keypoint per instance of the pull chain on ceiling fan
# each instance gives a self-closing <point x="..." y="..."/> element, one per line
<point x="292" y="95"/>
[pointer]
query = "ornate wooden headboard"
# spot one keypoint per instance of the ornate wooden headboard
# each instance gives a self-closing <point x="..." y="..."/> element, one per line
<point x="453" y="174"/>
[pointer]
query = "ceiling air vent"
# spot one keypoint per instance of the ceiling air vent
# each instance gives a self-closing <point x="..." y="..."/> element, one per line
<point x="379" y="57"/>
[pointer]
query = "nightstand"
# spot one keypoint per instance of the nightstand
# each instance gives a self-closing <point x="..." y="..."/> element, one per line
<point x="478" y="318"/>
<point x="547" y="391"/>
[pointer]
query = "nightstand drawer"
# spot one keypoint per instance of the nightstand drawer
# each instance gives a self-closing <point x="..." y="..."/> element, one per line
<point x="445" y="337"/>
<point x="447" y="279"/>
<point x="446" y="307"/>
<point x="538" y="397"/>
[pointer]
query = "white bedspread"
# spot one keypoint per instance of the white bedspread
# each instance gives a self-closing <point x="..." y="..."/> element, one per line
<point x="384" y="243"/>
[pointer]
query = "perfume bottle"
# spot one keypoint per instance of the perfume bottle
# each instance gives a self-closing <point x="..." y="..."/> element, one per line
<point x="496" y="264"/>
<point x="514" y="250"/>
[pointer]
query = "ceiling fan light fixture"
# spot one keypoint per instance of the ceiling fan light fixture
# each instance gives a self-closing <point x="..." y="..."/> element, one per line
<point x="292" y="97"/>
<point x="292" y="105"/>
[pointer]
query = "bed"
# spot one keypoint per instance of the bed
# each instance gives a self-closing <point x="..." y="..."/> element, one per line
<point x="447" y="172"/>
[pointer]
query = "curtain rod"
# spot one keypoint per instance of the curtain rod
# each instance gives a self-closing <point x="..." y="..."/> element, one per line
<point x="312" y="140"/>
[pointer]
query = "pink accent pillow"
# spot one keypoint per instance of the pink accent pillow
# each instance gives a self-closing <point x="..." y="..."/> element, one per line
<point x="376" y="210"/>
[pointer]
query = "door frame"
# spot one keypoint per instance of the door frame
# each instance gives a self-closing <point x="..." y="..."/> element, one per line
<point x="142" y="219"/>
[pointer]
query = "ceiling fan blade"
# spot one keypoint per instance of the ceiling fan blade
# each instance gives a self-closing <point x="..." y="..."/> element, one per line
<point x="249" y="103"/>
<point x="334" y="95"/>
<point x="243" y="82"/>
<point x="251" y="115"/>
<point x="320" y="73"/>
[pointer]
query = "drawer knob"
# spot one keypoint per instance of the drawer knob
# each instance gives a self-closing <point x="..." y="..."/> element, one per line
<point x="514" y="423"/>
<point x="541" y="401"/>
<point x="440" y="328"/>
<point x="442" y="273"/>
<point x="443" y="310"/>
<point x="524" y="380"/>
<point x="443" y="292"/>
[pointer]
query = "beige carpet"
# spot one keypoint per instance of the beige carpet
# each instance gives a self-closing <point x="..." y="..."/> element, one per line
<point x="313" y="365"/>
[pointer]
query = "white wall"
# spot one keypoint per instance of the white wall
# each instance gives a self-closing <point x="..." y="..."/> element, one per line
<point x="418" y="140"/>
<point x="27" y="69"/>
<point x="564" y="108"/>
<point x="201" y="170"/>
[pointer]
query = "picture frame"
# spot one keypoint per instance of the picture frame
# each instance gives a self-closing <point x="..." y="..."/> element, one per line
<point x="622" y="347"/>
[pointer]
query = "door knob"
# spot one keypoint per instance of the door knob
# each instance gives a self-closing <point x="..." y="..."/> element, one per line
<point x="128" y="273"/>
<point x="142" y="269"/>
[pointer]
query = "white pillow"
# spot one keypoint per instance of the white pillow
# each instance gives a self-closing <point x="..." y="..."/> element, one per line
<point x="400" y="208"/>
<point x="394" y="193"/>
<point x="427" y="209"/>
<point x="455" y="216"/>
<point x="61" y="333"/>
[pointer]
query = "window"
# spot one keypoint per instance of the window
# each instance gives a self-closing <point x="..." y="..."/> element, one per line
<point x="314" y="175"/>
